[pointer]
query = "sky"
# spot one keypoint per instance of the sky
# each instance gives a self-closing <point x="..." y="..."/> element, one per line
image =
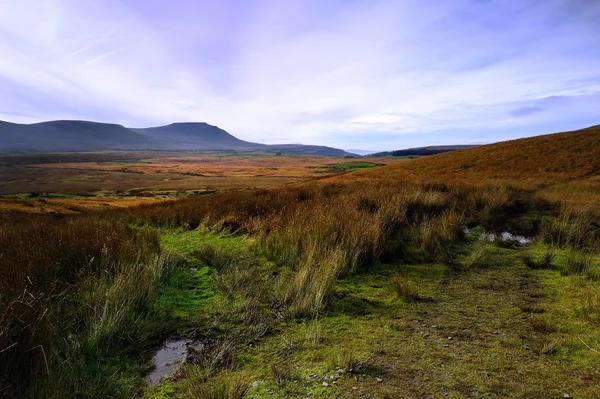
<point x="353" y="74"/>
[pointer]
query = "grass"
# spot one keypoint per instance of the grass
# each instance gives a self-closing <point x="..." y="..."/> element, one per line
<point x="351" y="166"/>
<point x="404" y="288"/>
<point x="543" y="262"/>
<point x="293" y="287"/>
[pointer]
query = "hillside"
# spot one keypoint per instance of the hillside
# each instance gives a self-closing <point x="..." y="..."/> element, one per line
<point x="65" y="135"/>
<point x="422" y="151"/>
<point x="530" y="162"/>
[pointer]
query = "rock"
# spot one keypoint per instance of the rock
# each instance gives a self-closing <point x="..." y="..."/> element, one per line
<point x="325" y="384"/>
<point x="434" y="326"/>
<point x="425" y="335"/>
<point x="446" y="345"/>
<point x="354" y="387"/>
<point x="449" y="338"/>
<point x="379" y="380"/>
<point x="566" y="396"/>
<point x="333" y="378"/>
<point x="519" y="371"/>
<point x="254" y="384"/>
<point x="341" y="371"/>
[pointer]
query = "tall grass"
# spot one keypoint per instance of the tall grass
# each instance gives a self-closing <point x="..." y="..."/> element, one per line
<point x="82" y="285"/>
<point x="570" y="230"/>
<point x="85" y="284"/>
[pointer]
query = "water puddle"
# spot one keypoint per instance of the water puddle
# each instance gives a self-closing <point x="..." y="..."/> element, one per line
<point x="169" y="358"/>
<point x="505" y="236"/>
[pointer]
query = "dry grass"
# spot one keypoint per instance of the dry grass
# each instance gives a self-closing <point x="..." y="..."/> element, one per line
<point x="564" y="167"/>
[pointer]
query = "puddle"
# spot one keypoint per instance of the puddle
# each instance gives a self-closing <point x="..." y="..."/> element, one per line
<point x="169" y="358"/>
<point x="506" y="236"/>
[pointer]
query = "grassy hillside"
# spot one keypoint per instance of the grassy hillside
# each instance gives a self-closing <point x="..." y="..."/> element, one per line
<point x="562" y="167"/>
<point x="529" y="163"/>
<point x="395" y="282"/>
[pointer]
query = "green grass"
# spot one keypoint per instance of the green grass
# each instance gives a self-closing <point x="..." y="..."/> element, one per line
<point x="499" y="346"/>
<point x="351" y="166"/>
<point x="190" y="290"/>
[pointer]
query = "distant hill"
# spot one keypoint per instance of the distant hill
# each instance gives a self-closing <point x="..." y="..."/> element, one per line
<point x="361" y="152"/>
<point x="529" y="162"/>
<point x="68" y="135"/>
<point x="422" y="151"/>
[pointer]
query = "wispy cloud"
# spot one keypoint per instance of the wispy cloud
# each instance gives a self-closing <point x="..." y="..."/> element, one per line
<point x="379" y="74"/>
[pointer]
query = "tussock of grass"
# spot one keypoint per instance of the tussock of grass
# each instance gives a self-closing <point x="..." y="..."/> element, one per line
<point x="541" y="324"/>
<point x="351" y="361"/>
<point x="196" y="384"/>
<point x="478" y="257"/>
<point x="404" y="288"/>
<point x="542" y="262"/>
<point x="569" y="230"/>
<point x="281" y="372"/>
<point x="578" y="262"/>
<point x="313" y="335"/>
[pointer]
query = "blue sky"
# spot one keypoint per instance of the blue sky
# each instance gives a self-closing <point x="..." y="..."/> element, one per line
<point x="367" y="74"/>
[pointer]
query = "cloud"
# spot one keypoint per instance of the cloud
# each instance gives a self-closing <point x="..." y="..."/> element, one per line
<point x="346" y="73"/>
<point x="526" y="111"/>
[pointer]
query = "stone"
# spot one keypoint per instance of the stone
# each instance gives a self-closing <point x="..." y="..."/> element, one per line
<point x="379" y="380"/>
<point x="254" y="384"/>
<point x="325" y="384"/>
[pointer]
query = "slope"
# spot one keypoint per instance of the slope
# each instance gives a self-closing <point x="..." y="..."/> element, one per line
<point x="528" y="163"/>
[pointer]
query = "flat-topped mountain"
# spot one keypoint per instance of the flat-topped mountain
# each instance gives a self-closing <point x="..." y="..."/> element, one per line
<point x="71" y="135"/>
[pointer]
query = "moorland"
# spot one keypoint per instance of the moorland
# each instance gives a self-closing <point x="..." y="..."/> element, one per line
<point x="472" y="273"/>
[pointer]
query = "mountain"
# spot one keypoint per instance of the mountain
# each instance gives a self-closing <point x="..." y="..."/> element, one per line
<point x="71" y="135"/>
<point x="422" y="151"/>
<point x="195" y="135"/>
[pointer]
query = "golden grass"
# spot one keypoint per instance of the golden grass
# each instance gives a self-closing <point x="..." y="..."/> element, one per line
<point x="73" y="205"/>
<point x="561" y="167"/>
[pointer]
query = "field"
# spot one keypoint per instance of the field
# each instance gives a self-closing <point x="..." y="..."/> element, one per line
<point x="450" y="276"/>
<point x="69" y="182"/>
